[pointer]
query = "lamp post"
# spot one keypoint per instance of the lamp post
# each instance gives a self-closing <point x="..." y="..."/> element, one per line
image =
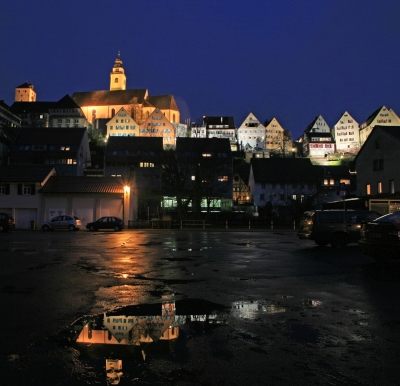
<point x="126" y="203"/>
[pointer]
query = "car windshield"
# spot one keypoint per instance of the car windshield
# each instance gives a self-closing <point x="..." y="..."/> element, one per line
<point x="391" y="217"/>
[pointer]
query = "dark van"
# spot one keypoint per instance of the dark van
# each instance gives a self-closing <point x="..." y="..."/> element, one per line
<point x="6" y="222"/>
<point x="335" y="227"/>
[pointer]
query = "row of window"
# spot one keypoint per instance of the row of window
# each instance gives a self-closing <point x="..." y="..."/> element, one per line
<point x="44" y="147"/>
<point x="293" y="197"/>
<point x="315" y="146"/>
<point x="122" y="135"/>
<point x="283" y="186"/>
<point x="379" y="187"/>
<point x="119" y="127"/>
<point x="67" y="120"/>
<point x="23" y="189"/>
<point x="220" y="179"/>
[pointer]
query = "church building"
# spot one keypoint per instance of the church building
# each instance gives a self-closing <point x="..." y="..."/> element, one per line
<point x="137" y="102"/>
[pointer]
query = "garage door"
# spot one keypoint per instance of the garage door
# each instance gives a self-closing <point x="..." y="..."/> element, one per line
<point x="85" y="215"/>
<point x="23" y="217"/>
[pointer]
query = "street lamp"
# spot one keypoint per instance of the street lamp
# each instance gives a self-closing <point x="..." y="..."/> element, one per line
<point x="126" y="202"/>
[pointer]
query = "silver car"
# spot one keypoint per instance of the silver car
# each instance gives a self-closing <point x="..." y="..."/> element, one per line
<point x="71" y="223"/>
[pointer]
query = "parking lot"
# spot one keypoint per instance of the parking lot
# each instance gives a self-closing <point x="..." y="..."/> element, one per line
<point x="288" y="312"/>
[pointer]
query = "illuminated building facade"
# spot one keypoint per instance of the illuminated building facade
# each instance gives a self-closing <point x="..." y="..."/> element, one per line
<point x="137" y="102"/>
<point x="381" y="117"/>
<point x="25" y="93"/>
<point x="346" y="134"/>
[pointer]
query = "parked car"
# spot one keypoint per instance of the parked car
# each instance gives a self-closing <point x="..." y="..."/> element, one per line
<point x="335" y="227"/>
<point x="109" y="222"/>
<point x="71" y="223"/>
<point x="6" y="222"/>
<point x="380" y="238"/>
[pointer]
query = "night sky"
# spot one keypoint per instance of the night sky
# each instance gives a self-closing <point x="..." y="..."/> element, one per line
<point x="292" y="60"/>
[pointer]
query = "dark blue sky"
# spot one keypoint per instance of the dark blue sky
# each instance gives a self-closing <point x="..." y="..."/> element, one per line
<point x="292" y="60"/>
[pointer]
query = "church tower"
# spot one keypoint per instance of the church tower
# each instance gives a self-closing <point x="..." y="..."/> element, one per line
<point x="117" y="76"/>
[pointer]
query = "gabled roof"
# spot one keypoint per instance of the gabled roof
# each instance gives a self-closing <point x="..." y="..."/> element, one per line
<point x="78" y="184"/>
<point x="251" y="121"/>
<point x="275" y="170"/>
<point x="66" y="102"/>
<point x="267" y="123"/>
<point x="310" y="126"/>
<point x="25" y="85"/>
<point x="372" y="117"/>
<point x="107" y="98"/>
<point x="393" y="131"/>
<point x="242" y="169"/>
<point x="25" y="173"/>
<point x="163" y="102"/>
<point x="342" y="115"/>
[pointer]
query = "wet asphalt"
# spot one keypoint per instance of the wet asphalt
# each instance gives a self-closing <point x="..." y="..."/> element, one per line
<point x="249" y="307"/>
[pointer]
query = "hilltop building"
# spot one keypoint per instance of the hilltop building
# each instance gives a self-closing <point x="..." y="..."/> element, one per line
<point x="25" y="93"/>
<point x="277" y="139"/>
<point x="137" y="102"/>
<point x="382" y="117"/>
<point x="346" y="134"/>
<point x="221" y="127"/>
<point x="317" y="139"/>
<point x="122" y="125"/>
<point x="63" y="113"/>
<point x="251" y="134"/>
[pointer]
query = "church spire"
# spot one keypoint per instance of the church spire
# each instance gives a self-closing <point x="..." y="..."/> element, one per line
<point x="117" y="75"/>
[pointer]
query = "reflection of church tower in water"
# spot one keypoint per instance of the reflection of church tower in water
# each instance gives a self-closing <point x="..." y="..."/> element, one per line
<point x="117" y="76"/>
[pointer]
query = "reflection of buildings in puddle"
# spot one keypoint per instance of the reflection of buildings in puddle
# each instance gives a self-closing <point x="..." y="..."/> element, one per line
<point x="134" y="332"/>
<point x="312" y="303"/>
<point x="252" y="309"/>
<point x="131" y="330"/>
<point x="114" y="371"/>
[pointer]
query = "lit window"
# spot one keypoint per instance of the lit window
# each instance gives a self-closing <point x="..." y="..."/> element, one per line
<point x="368" y="189"/>
<point x="379" y="187"/>
<point x="206" y="154"/>
<point x="223" y="178"/>
<point x="193" y="178"/>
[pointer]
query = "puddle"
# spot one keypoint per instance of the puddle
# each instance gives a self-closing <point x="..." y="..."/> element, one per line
<point x="118" y="343"/>
<point x="302" y="333"/>
<point x="310" y="303"/>
<point x="135" y="331"/>
<point x="253" y="309"/>
<point x="151" y="244"/>
<point x="187" y="249"/>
